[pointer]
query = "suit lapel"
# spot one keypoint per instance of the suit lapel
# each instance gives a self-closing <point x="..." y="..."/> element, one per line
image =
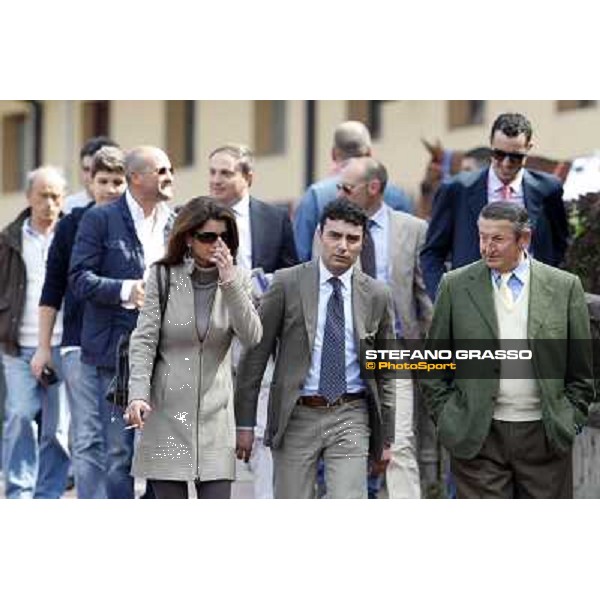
<point x="309" y="293"/>
<point x="531" y="198"/>
<point x="540" y="300"/>
<point x="360" y="304"/>
<point x="477" y="194"/>
<point x="397" y="243"/>
<point x="255" y="233"/>
<point x="130" y="226"/>
<point x="479" y="289"/>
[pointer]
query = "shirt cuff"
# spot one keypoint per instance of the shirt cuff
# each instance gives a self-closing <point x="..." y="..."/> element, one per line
<point x="126" y="288"/>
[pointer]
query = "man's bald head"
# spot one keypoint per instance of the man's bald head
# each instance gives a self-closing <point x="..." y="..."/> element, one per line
<point x="351" y="139"/>
<point x="140" y="159"/>
<point x="149" y="174"/>
<point x="45" y="193"/>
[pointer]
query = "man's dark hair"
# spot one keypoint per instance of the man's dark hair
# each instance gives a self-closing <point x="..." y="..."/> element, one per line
<point x="109" y="159"/>
<point x="94" y="144"/>
<point x="240" y="153"/>
<point x="512" y="125"/>
<point x="507" y="211"/>
<point x="344" y="210"/>
<point x="482" y="155"/>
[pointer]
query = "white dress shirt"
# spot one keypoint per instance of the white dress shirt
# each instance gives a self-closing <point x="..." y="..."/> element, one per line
<point x="241" y="210"/>
<point x="35" y="256"/>
<point x="354" y="383"/>
<point x="150" y="231"/>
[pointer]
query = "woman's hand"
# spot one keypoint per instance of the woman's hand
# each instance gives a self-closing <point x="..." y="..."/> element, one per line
<point x="136" y="413"/>
<point x="224" y="261"/>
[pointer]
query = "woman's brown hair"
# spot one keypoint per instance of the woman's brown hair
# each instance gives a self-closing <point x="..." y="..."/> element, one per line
<point x="192" y="217"/>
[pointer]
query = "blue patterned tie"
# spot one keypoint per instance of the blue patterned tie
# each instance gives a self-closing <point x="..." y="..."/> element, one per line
<point x="332" y="382"/>
<point x="367" y="255"/>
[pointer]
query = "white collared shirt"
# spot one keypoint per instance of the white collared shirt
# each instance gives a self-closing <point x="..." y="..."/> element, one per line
<point x="495" y="188"/>
<point x="241" y="210"/>
<point x="151" y="233"/>
<point x="354" y="383"/>
<point x="35" y="255"/>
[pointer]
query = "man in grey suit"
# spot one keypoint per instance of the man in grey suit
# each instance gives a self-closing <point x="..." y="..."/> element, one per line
<point x="321" y="404"/>
<point x="395" y="239"/>
<point x="510" y="434"/>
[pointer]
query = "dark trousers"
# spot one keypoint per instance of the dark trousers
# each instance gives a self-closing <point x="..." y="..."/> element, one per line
<point x="178" y="490"/>
<point x="516" y="461"/>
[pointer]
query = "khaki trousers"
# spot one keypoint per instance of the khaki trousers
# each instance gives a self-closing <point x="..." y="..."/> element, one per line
<point x="340" y="435"/>
<point x="402" y="474"/>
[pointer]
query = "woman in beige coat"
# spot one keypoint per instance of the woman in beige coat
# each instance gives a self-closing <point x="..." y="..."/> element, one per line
<point x="180" y="385"/>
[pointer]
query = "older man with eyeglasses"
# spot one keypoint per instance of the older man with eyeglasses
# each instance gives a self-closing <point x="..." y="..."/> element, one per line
<point x="452" y="233"/>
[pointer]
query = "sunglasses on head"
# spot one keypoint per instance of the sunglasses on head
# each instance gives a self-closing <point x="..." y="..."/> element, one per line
<point x="210" y="237"/>
<point x="513" y="157"/>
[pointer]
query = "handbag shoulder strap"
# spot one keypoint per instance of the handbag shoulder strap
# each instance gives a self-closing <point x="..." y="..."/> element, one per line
<point x="164" y="286"/>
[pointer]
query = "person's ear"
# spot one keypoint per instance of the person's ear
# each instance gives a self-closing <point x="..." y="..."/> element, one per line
<point x="525" y="239"/>
<point x="374" y="187"/>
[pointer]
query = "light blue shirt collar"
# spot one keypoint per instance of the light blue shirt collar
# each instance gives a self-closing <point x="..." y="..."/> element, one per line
<point x="520" y="271"/>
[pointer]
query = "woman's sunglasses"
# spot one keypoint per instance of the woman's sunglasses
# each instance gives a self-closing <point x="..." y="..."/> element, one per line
<point x="210" y="237"/>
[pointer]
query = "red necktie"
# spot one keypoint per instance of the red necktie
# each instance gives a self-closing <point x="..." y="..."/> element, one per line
<point x="506" y="193"/>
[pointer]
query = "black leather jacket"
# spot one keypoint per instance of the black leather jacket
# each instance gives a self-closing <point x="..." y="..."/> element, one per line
<point x="13" y="280"/>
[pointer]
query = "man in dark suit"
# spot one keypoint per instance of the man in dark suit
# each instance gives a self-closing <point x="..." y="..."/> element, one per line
<point x="266" y="236"/>
<point x="321" y="403"/>
<point x="266" y="244"/>
<point x="452" y="232"/>
<point x="509" y="425"/>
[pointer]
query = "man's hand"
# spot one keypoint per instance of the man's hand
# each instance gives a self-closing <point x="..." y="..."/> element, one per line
<point x="378" y="467"/>
<point x="137" y="294"/>
<point x="244" y="443"/>
<point x="41" y="358"/>
<point x="136" y="413"/>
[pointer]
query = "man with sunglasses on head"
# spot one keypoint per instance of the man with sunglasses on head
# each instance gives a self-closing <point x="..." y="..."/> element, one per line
<point x="116" y="245"/>
<point x="453" y="233"/>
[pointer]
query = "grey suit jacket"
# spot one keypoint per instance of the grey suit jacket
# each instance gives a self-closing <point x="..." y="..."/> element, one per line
<point x="289" y="315"/>
<point x="411" y="301"/>
<point x="412" y="304"/>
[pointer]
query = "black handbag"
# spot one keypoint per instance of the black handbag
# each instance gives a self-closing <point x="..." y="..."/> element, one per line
<point x="118" y="390"/>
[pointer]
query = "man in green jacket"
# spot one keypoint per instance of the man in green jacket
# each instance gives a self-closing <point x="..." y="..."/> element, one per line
<point x="511" y="437"/>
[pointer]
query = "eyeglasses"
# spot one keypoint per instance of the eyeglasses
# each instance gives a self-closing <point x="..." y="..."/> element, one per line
<point x="210" y="237"/>
<point x="513" y="157"/>
<point x="161" y="171"/>
<point x="348" y="188"/>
